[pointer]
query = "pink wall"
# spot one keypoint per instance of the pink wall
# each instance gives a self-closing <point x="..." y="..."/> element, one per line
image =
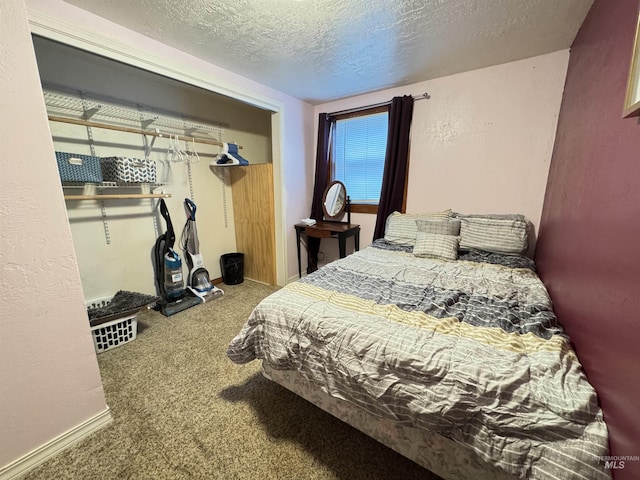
<point x="472" y="148"/>
<point x="588" y="244"/>
<point x="49" y="378"/>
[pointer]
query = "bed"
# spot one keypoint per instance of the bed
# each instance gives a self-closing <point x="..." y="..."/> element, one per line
<point x="457" y="363"/>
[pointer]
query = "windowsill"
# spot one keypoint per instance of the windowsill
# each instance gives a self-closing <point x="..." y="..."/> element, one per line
<point x="364" y="208"/>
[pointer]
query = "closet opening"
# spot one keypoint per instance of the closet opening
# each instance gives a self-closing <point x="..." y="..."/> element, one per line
<point x="114" y="236"/>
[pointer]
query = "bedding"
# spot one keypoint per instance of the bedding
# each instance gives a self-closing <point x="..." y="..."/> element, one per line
<point x="443" y="226"/>
<point x="467" y="349"/>
<point x="434" y="245"/>
<point x="494" y="233"/>
<point x="401" y="228"/>
<point x="437" y="238"/>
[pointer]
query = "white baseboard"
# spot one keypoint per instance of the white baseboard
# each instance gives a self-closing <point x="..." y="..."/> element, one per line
<point x="34" y="458"/>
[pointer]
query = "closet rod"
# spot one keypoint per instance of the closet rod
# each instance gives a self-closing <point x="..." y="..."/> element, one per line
<point x="85" y="123"/>
<point x="117" y="196"/>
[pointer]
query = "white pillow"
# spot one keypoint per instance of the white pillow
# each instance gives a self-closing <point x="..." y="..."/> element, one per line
<point x="401" y="228"/>
<point x="441" y="226"/>
<point x="494" y="233"/>
<point x="433" y="245"/>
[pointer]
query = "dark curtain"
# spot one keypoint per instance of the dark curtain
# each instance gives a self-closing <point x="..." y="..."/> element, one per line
<point x="396" y="161"/>
<point x="322" y="175"/>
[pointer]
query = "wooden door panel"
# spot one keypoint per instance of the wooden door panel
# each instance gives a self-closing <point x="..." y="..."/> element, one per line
<point x="254" y="218"/>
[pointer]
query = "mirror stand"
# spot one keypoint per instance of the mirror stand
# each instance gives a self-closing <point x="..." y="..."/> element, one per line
<point x="348" y="208"/>
<point x="335" y="201"/>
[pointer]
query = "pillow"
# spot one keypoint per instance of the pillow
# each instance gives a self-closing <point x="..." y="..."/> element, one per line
<point x="441" y="226"/>
<point x="433" y="245"/>
<point x="401" y="228"/>
<point x="505" y="234"/>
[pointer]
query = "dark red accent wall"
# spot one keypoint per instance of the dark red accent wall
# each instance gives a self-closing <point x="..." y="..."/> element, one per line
<point x="588" y="250"/>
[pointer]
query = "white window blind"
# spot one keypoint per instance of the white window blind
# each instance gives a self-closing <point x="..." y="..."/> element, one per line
<point x="359" y="148"/>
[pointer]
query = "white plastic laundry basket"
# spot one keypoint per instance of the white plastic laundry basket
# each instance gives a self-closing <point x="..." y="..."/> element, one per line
<point x="114" y="333"/>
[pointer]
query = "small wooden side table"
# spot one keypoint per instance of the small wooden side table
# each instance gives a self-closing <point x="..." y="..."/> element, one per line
<point x="339" y="230"/>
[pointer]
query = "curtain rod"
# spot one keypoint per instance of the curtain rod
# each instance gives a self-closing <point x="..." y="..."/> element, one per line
<point x="358" y="109"/>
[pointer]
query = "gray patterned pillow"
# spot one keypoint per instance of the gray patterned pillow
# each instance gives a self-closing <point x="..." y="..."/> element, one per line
<point x="505" y="234"/>
<point x="441" y="226"/>
<point x="401" y="228"/>
<point x="433" y="245"/>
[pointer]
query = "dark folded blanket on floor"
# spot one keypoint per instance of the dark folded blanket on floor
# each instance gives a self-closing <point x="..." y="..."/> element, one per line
<point x="123" y="303"/>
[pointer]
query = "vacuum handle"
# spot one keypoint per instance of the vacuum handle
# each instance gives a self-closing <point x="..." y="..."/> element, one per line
<point x="190" y="208"/>
<point x="170" y="234"/>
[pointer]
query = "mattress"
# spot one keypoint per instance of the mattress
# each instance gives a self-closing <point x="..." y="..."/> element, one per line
<point x="446" y="458"/>
<point x="469" y="350"/>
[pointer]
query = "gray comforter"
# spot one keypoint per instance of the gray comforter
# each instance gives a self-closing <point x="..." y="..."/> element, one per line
<point x="468" y="349"/>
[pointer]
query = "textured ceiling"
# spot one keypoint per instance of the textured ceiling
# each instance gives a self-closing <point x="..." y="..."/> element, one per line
<point x="322" y="50"/>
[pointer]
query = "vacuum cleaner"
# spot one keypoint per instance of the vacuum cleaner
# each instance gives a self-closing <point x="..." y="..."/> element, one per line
<point x="174" y="297"/>
<point x="198" y="281"/>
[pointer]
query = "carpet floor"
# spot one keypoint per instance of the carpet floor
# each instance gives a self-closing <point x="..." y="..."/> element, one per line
<point x="183" y="410"/>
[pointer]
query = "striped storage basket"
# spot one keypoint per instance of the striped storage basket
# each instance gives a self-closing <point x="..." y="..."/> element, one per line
<point x="73" y="167"/>
<point x="128" y="170"/>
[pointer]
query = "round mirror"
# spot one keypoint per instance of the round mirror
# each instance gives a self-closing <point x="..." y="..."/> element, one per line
<point x="334" y="199"/>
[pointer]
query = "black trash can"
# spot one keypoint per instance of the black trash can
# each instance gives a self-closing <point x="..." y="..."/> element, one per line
<point x="232" y="266"/>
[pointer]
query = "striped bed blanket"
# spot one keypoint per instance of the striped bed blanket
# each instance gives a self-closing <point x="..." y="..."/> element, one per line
<point x="468" y="349"/>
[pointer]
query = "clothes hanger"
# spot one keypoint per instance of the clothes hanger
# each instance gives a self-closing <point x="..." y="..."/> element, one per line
<point x="193" y="154"/>
<point x="174" y="153"/>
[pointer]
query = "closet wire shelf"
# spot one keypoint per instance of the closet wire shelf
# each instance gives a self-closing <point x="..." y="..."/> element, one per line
<point x="90" y="188"/>
<point x="110" y="185"/>
<point x="138" y="118"/>
<point x="75" y="108"/>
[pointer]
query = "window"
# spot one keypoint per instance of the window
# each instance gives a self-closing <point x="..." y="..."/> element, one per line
<point x="357" y="155"/>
